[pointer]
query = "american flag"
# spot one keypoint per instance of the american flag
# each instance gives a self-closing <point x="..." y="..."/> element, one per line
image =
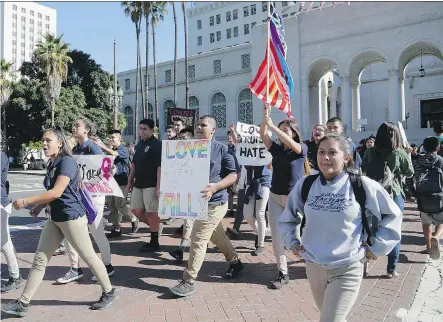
<point x="280" y="81"/>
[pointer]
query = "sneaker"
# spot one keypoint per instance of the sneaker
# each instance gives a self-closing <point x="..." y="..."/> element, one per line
<point x="114" y="234"/>
<point x="109" y="269"/>
<point x="12" y="284"/>
<point x="434" y="252"/>
<point x="258" y="251"/>
<point x="104" y="301"/>
<point x="281" y="280"/>
<point x="392" y="275"/>
<point x="234" y="269"/>
<point x="233" y="231"/>
<point x="15" y="308"/>
<point x="134" y="225"/>
<point x="184" y="288"/>
<point x="149" y="247"/>
<point x="169" y="221"/>
<point x="61" y="250"/>
<point x="71" y="276"/>
<point x="177" y="255"/>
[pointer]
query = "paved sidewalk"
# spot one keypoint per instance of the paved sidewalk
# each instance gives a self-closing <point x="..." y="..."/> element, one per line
<point x="142" y="282"/>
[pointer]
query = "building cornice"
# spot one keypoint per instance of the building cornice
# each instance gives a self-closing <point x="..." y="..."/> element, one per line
<point x="199" y="10"/>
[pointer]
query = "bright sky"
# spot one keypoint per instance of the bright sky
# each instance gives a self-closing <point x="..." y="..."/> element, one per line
<point x="93" y="26"/>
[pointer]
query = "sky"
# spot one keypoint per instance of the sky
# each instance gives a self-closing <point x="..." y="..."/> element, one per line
<point x="93" y="26"/>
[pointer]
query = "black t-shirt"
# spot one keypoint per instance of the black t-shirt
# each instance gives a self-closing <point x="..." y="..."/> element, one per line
<point x="147" y="159"/>
<point x="68" y="206"/>
<point x="288" y="168"/>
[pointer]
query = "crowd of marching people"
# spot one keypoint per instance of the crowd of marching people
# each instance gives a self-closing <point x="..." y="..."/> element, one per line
<point x="332" y="204"/>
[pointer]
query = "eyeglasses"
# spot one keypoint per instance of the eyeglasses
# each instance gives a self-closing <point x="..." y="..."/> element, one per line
<point x="318" y="130"/>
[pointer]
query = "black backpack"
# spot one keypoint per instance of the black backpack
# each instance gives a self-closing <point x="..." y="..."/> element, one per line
<point x="360" y="196"/>
<point x="378" y="170"/>
<point x="429" y="189"/>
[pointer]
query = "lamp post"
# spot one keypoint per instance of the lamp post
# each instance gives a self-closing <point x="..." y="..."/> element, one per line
<point x="115" y="100"/>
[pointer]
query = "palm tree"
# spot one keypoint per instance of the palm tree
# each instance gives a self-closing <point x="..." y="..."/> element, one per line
<point x="133" y="10"/>
<point x="158" y="11"/>
<point x="147" y="13"/>
<point x="186" y="53"/>
<point x="52" y="56"/>
<point x="175" y="53"/>
<point x="5" y="88"/>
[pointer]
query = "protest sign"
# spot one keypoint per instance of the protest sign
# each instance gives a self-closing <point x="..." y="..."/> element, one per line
<point x="250" y="149"/>
<point x="184" y="174"/>
<point x="95" y="171"/>
<point x="186" y="115"/>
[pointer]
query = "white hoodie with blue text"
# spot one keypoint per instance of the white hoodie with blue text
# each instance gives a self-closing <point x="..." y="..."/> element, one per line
<point x="333" y="233"/>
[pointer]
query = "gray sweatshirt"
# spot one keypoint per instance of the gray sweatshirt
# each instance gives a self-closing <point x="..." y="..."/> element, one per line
<point x="333" y="233"/>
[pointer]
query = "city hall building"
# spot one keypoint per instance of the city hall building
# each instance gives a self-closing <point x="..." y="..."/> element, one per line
<point x="366" y="62"/>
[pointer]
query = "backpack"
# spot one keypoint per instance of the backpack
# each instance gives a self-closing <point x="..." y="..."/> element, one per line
<point x="378" y="170"/>
<point x="429" y="189"/>
<point x="360" y="196"/>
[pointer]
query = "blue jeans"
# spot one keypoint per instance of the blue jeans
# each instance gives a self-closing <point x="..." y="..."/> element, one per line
<point x="394" y="255"/>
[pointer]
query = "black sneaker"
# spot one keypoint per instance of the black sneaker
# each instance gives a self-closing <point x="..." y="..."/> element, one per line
<point x="109" y="269"/>
<point x="149" y="247"/>
<point x="232" y="231"/>
<point x="12" y="284"/>
<point x="184" y="288"/>
<point x="104" y="301"/>
<point x="114" y="234"/>
<point x="258" y="251"/>
<point x="134" y="225"/>
<point x="281" y="280"/>
<point x="234" y="269"/>
<point x="177" y="255"/>
<point x="15" y="308"/>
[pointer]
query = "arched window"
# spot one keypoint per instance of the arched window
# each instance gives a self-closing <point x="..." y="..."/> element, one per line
<point x="218" y="109"/>
<point x="194" y="104"/>
<point x="245" y="106"/>
<point x="166" y="105"/>
<point x="129" y="115"/>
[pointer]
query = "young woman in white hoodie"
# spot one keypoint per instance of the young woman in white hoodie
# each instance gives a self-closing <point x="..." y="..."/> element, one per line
<point x="331" y="242"/>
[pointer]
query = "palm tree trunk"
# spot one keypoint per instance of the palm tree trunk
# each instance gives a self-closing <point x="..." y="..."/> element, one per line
<point x="147" y="63"/>
<point x="141" y="81"/>
<point x="175" y="53"/>
<point x="156" y="114"/>
<point x="52" y="111"/>
<point x="136" y="89"/>
<point x="186" y="54"/>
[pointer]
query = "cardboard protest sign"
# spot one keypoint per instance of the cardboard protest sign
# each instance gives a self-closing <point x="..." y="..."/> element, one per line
<point x="250" y="149"/>
<point x="186" y="115"/>
<point x="96" y="173"/>
<point x="184" y="174"/>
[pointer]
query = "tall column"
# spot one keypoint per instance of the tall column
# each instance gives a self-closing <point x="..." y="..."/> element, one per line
<point x="402" y="99"/>
<point x="304" y="122"/>
<point x="356" y="113"/>
<point x="346" y="102"/>
<point x="324" y="104"/>
<point x="394" y="96"/>
<point x="333" y="101"/>
<point x="296" y="61"/>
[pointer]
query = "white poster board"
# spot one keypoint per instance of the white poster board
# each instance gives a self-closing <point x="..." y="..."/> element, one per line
<point x="184" y="174"/>
<point x="250" y="149"/>
<point x="404" y="139"/>
<point x="96" y="173"/>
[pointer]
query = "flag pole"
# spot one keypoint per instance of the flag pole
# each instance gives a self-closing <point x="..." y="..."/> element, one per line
<point x="268" y="27"/>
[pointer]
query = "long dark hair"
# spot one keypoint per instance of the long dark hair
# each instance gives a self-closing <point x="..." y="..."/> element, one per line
<point x="296" y="133"/>
<point x="65" y="149"/>
<point x="387" y="138"/>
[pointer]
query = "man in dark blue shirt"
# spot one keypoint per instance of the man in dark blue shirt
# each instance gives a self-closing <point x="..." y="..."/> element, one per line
<point x="117" y="205"/>
<point x="223" y="173"/>
<point x="144" y="181"/>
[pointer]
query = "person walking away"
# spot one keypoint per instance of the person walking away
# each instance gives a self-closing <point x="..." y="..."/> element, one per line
<point x="223" y="173"/>
<point x="67" y="220"/>
<point x="290" y="164"/>
<point x="82" y="130"/>
<point x="388" y="163"/>
<point x="429" y="192"/>
<point x="333" y="257"/>
<point x="317" y="133"/>
<point x="15" y="280"/>
<point x="144" y="182"/>
<point x="118" y="205"/>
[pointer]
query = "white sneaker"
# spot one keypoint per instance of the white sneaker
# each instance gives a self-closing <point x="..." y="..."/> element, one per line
<point x="70" y="276"/>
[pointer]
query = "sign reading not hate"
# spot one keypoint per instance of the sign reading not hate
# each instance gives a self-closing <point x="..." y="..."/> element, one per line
<point x="250" y="149"/>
